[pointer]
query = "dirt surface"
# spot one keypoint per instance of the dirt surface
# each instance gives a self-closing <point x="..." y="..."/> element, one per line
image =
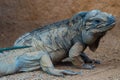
<point x="20" y="16"/>
<point x="106" y="71"/>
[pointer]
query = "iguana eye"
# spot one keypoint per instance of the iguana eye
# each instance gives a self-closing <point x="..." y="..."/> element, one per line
<point x="97" y="21"/>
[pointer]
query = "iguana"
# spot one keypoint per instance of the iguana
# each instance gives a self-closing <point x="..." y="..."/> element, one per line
<point x="66" y="39"/>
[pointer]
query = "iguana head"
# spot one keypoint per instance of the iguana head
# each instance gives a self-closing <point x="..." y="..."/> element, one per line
<point x="97" y="21"/>
<point x="94" y="26"/>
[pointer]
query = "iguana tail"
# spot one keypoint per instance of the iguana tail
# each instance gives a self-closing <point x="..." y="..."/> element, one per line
<point x="12" y="48"/>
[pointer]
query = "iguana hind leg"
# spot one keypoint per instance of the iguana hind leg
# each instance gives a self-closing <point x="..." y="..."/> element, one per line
<point x="86" y="59"/>
<point x="47" y="66"/>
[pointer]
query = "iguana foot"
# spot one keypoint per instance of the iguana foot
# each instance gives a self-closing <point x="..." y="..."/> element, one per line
<point x="86" y="59"/>
<point x="88" y="66"/>
<point x="61" y="73"/>
<point x="93" y="61"/>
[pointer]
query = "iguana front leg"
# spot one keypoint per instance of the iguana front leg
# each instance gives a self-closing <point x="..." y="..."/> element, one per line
<point x="74" y="57"/>
<point x="86" y="59"/>
<point x="47" y="66"/>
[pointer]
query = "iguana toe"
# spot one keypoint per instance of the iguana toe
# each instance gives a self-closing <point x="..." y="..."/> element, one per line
<point x="88" y="66"/>
<point x="68" y="72"/>
<point x="96" y="61"/>
<point x="61" y="73"/>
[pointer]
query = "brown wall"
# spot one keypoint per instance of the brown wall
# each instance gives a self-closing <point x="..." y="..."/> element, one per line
<point x="20" y="16"/>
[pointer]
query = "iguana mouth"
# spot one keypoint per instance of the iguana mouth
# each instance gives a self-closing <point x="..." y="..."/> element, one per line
<point x="108" y="27"/>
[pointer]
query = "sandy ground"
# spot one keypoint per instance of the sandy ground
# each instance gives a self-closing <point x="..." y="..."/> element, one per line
<point x="109" y="69"/>
<point x="105" y="71"/>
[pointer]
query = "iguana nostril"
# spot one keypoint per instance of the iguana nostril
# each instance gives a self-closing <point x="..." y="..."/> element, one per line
<point x="111" y="20"/>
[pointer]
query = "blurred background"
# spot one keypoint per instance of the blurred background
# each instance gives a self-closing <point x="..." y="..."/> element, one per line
<point x="20" y="16"/>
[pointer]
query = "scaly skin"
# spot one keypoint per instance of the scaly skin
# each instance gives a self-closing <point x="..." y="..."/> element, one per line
<point x="60" y="41"/>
